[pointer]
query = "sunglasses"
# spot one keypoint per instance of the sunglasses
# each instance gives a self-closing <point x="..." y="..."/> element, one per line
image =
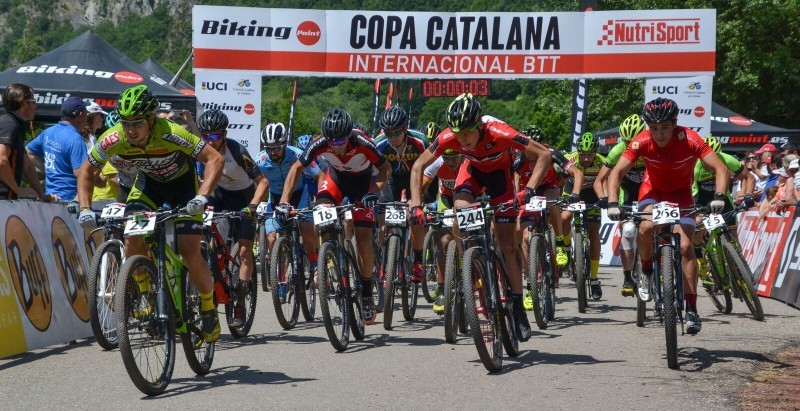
<point x="462" y="131"/>
<point x="337" y="143"/>
<point x="391" y="134"/>
<point x="273" y="149"/>
<point x="213" y="137"/>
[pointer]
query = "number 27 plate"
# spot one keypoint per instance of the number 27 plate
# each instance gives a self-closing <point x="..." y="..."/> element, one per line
<point x="141" y="226"/>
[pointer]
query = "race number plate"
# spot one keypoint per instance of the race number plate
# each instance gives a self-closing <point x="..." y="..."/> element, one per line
<point x="666" y="213"/>
<point x="113" y="210"/>
<point x="447" y="218"/>
<point x="469" y="220"/>
<point x="396" y="215"/>
<point x="262" y="208"/>
<point x="581" y="206"/>
<point x="536" y="204"/>
<point x="140" y="226"/>
<point x="713" y="221"/>
<point x="208" y="218"/>
<point x="325" y="217"/>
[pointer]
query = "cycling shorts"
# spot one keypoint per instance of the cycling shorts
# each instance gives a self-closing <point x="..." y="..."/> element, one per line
<point x="149" y="195"/>
<point x="682" y="197"/>
<point x="335" y="187"/>
<point x="226" y="200"/>
<point x="497" y="184"/>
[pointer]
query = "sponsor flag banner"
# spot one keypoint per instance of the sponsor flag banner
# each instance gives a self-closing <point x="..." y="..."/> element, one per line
<point x="375" y="44"/>
<point x="693" y="95"/>
<point x="238" y="95"/>
<point x="410" y="96"/>
<point x="766" y="250"/>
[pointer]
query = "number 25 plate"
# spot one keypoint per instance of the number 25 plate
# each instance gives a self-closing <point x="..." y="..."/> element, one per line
<point x="469" y="220"/>
<point x="713" y="221"/>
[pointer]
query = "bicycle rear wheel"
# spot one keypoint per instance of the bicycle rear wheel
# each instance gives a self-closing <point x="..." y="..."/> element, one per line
<point x="103" y="275"/>
<point x="538" y="280"/>
<point x="199" y="354"/>
<point x="333" y="299"/>
<point x="484" y="322"/>
<point x="307" y="291"/>
<point x="284" y="286"/>
<point x="390" y="279"/>
<point x="430" y="256"/>
<point x="354" y="284"/>
<point x="742" y="279"/>
<point x="263" y="258"/>
<point x="668" y="272"/>
<point x="715" y="286"/>
<point x="503" y="295"/>
<point x="147" y="343"/>
<point x="641" y="305"/>
<point x="581" y="271"/>
<point x="409" y="292"/>
<point x="452" y="291"/>
<point x="249" y="301"/>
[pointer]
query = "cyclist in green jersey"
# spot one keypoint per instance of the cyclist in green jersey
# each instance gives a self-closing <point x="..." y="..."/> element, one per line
<point x="703" y="192"/>
<point x="628" y="194"/>
<point x="165" y="155"/>
<point x="587" y="164"/>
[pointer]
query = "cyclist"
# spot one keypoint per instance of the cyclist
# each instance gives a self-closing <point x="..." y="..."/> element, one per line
<point x="550" y="187"/>
<point x="401" y="151"/>
<point x="445" y="170"/>
<point x="165" y="155"/>
<point x="360" y="127"/>
<point x="485" y="143"/>
<point x="703" y="192"/>
<point x="587" y="164"/>
<point x="310" y="182"/>
<point x="629" y="192"/>
<point x="432" y="131"/>
<point x="117" y="175"/>
<point x="275" y="160"/>
<point x="669" y="152"/>
<point x="351" y="156"/>
<point x="241" y="187"/>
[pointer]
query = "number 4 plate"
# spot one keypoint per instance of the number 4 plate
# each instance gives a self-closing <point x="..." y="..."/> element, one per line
<point x="666" y="213"/>
<point x="536" y="204"/>
<point x="713" y="221"/>
<point x="113" y="210"/>
<point x="141" y="226"/>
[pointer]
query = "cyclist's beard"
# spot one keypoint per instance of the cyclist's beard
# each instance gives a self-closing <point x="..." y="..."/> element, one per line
<point x="277" y="157"/>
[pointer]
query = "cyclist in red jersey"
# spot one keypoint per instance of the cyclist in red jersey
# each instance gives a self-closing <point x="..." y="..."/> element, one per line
<point x="350" y="156"/>
<point x="669" y="152"/>
<point x="486" y="144"/>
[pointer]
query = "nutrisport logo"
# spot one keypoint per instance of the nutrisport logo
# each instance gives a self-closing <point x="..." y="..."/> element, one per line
<point x="71" y="268"/>
<point x="28" y="272"/>
<point x="650" y="32"/>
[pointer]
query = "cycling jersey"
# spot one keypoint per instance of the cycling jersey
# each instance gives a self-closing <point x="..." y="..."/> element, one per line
<point x="447" y="177"/>
<point x="410" y="133"/>
<point x="170" y="153"/>
<point x="401" y="161"/>
<point x="589" y="173"/>
<point x="276" y="173"/>
<point x="635" y="176"/>
<point x="493" y="150"/>
<point x="359" y="158"/>
<point x="705" y="179"/>
<point x="239" y="170"/>
<point x="522" y="166"/>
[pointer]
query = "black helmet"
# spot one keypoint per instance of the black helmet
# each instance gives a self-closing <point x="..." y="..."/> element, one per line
<point x="464" y="112"/>
<point x="212" y="120"/>
<point x="359" y="126"/>
<point x="394" y="119"/>
<point x="534" y="132"/>
<point x="660" y="109"/>
<point x="337" y="124"/>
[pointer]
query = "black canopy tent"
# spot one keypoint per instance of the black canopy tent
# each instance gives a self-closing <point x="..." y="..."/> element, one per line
<point x="737" y="133"/>
<point x="90" y="68"/>
<point x="153" y="67"/>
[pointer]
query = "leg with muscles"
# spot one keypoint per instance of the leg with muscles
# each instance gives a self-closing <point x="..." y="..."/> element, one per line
<point x="689" y="266"/>
<point x="417" y="238"/>
<point x="594" y="259"/>
<point x="200" y="274"/>
<point x="564" y="240"/>
<point x="365" y="262"/>
<point x="628" y="245"/>
<point x="506" y="234"/>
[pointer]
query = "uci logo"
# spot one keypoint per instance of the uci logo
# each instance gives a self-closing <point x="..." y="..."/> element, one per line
<point x="28" y="272"/>
<point x="70" y="266"/>
<point x="210" y="85"/>
<point x="665" y="90"/>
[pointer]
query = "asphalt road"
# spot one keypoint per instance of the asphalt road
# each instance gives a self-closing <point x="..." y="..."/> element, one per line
<point x="599" y="360"/>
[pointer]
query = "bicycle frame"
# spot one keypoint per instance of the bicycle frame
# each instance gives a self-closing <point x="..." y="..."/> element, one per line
<point x="402" y="232"/>
<point x="292" y="231"/>
<point x="541" y="228"/>
<point x="484" y="239"/>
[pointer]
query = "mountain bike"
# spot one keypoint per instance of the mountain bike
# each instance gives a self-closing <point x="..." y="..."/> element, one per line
<point x="147" y="320"/>
<point x="397" y="263"/>
<point x="223" y="260"/>
<point x="542" y="270"/>
<point x="292" y="285"/>
<point x="261" y="247"/>
<point x="728" y="271"/>
<point x="432" y="251"/>
<point x="487" y="290"/>
<point x="339" y="280"/>
<point x="103" y="274"/>
<point x="579" y="263"/>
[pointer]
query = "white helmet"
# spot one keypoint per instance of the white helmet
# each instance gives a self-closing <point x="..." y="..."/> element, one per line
<point x="274" y="134"/>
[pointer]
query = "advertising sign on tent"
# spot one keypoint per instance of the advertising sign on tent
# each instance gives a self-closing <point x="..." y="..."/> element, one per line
<point x="238" y="95"/>
<point x="693" y="95"/>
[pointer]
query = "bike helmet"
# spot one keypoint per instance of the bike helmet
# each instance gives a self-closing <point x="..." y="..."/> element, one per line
<point x="534" y="132"/>
<point x="714" y="144"/>
<point x="660" y="109"/>
<point x="450" y="153"/>
<point x="337" y="124"/>
<point x="274" y="135"/>
<point x="587" y="143"/>
<point x="112" y="119"/>
<point x="212" y="120"/>
<point x="464" y="112"/>
<point x="432" y="131"/>
<point x="630" y="127"/>
<point x="393" y="119"/>
<point x="137" y="101"/>
<point x="360" y="127"/>
<point x="304" y="140"/>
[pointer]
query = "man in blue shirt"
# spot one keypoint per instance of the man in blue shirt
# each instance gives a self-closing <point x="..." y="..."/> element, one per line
<point x="62" y="148"/>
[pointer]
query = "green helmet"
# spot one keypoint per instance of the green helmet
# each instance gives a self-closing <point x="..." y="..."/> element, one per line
<point x="463" y="113"/>
<point x="137" y="101"/>
<point x="112" y="119"/>
<point x="630" y="127"/>
<point x="587" y="143"/>
<point x="714" y="144"/>
<point x="432" y="131"/>
<point x="534" y="132"/>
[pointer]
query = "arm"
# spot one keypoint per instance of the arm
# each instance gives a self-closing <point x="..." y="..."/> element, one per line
<point x="214" y="163"/>
<point x="748" y="182"/>
<point x="615" y="177"/>
<point x="577" y="178"/>
<point x="424" y="160"/>
<point x="384" y="171"/>
<point x="291" y="181"/>
<point x="187" y="116"/>
<point x="30" y="174"/>
<point x="86" y="177"/>
<point x="543" y="161"/>
<point x="712" y="162"/>
<point x="262" y="185"/>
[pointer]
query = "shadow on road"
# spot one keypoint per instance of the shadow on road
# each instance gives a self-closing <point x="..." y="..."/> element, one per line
<point x="28" y="357"/>
<point x="220" y="377"/>
<point x="534" y="357"/>
<point x="698" y="359"/>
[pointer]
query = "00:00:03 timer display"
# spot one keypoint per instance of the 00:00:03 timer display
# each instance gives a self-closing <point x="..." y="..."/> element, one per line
<point x="452" y="88"/>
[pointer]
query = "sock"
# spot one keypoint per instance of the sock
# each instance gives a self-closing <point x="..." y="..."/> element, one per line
<point x="698" y="252"/>
<point x="628" y="276"/>
<point x="567" y="240"/>
<point x="312" y="257"/>
<point x="143" y="280"/>
<point x="417" y="256"/>
<point x="594" y="267"/>
<point x="647" y="266"/>
<point x="207" y="301"/>
<point x="366" y="287"/>
<point x="559" y="241"/>
<point x="691" y="302"/>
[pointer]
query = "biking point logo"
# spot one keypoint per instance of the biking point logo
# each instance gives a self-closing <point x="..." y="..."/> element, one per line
<point x="71" y="268"/>
<point x="28" y="273"/>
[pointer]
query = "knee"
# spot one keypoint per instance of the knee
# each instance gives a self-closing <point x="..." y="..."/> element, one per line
<point x="687" y="249"/>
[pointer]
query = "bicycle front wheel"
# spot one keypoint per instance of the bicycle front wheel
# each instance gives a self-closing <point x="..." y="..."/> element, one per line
<point x="742" y="279"/>
<point x="581" y="271"/>
<point x="199" y="354"/>
<point x="714" y="284"/>
<point x="103" y="275"/>
<point x="430" y="255"/>
<point x="537" y="270"/>
<point x="355" y="288"/>
<point x="391" y="272"/>
<point x="507" y="324"/>
<point x="641" y="282"/>
<point x="246" y="304"/>
<point x="409" y="293"/>
<point x="483" y="321"/>
<point x="668" y="272"/>
<point x="333" y="300"/>
<point x="284" y="289"/>
<point x="146" y="342"/>
<point x="307" y="291"/>
<point x="453" y="301"/>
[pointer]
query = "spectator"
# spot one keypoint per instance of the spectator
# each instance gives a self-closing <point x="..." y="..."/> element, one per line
<point x="791" y="163"/>
<point x="766" y="152"/>
<point x="789" y="148"/>
<point x="96" y="118"/>
<point x="63" y="150"/>
<point x="765" y="205"/>
<point x="20" y="107"/>
<point x="773" y="163"/>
